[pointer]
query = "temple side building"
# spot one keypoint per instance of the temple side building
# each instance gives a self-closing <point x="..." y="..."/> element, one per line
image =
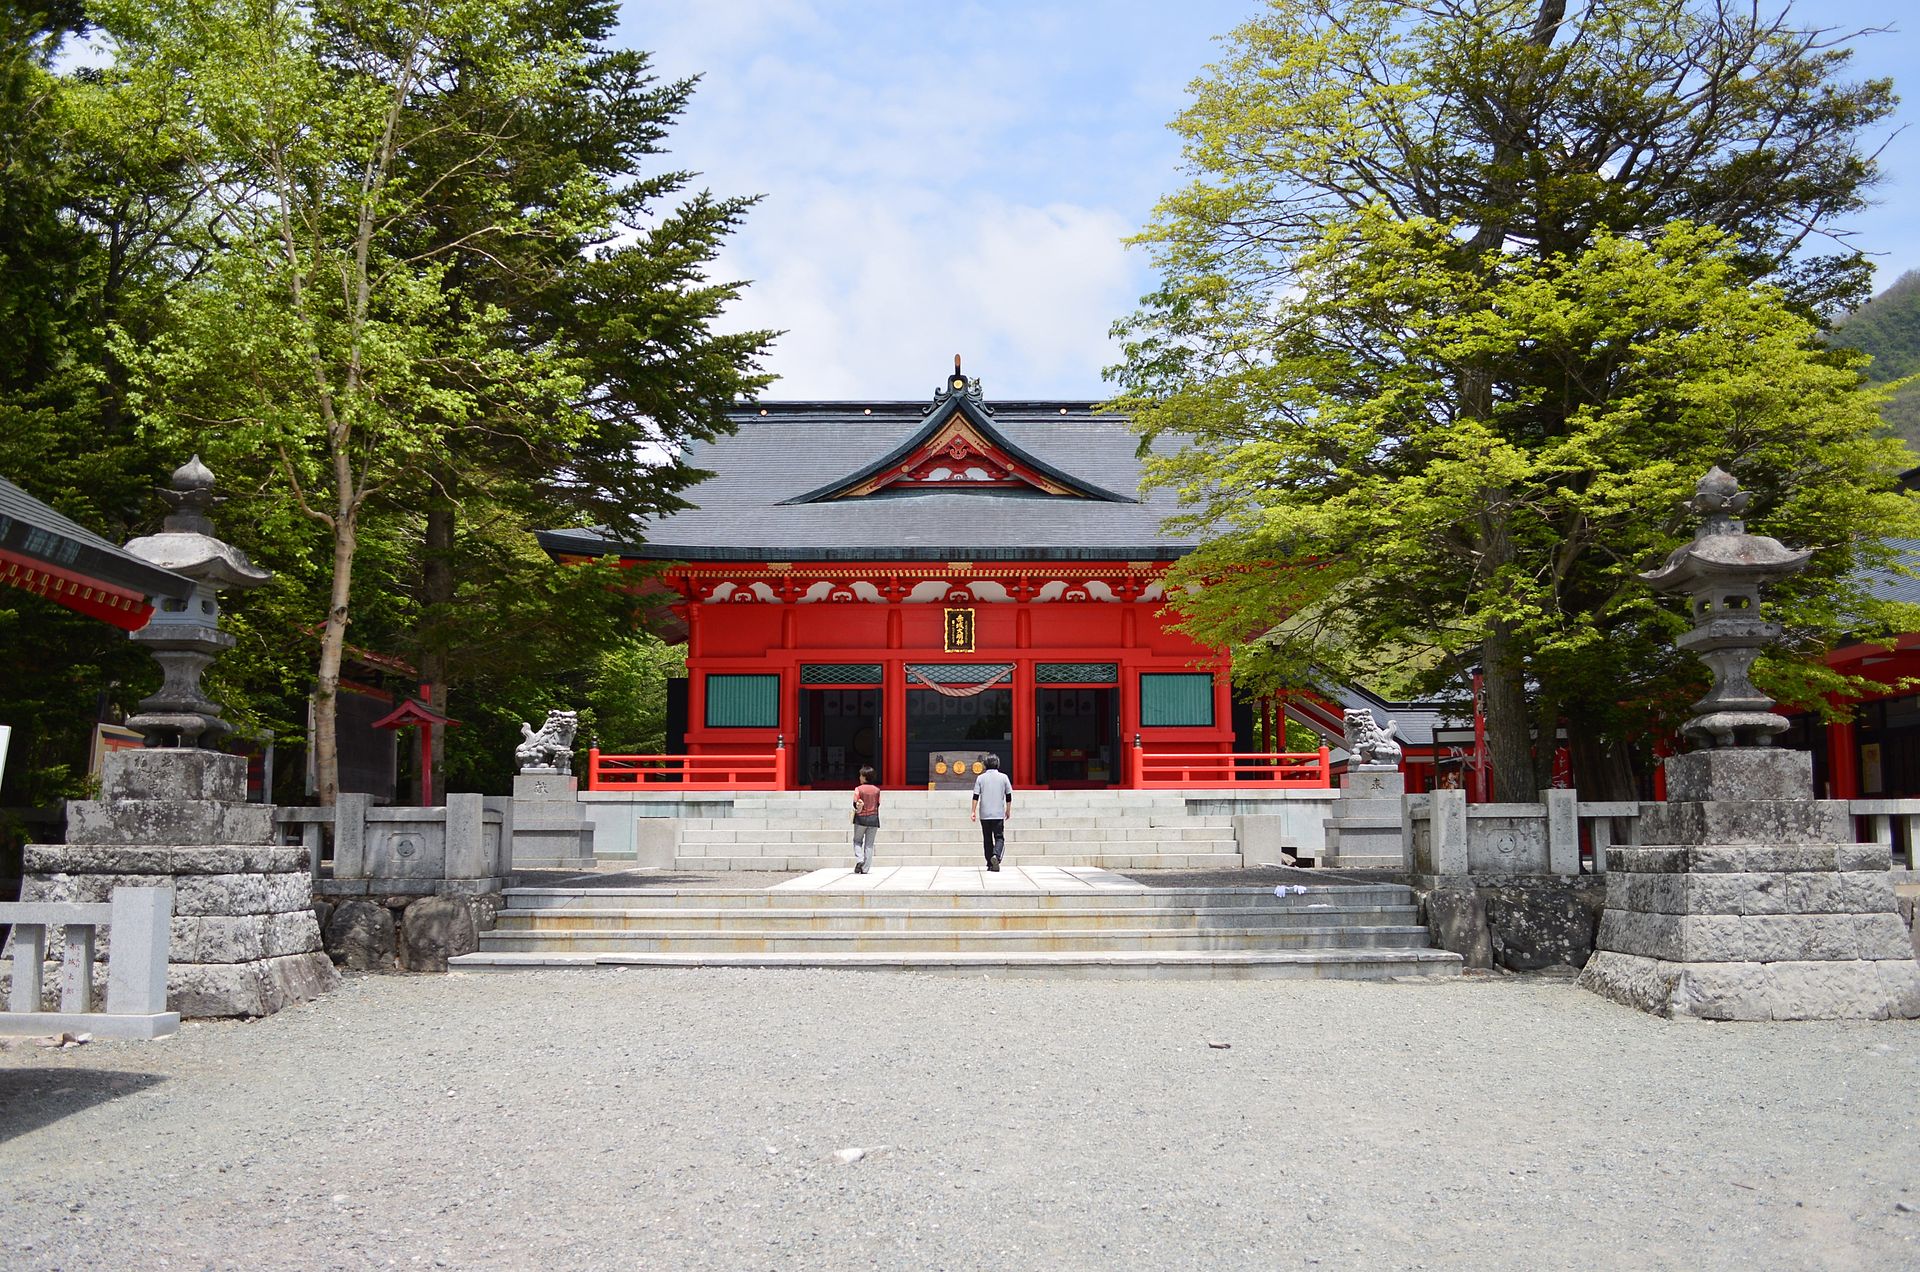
<point x="892" y="583"/>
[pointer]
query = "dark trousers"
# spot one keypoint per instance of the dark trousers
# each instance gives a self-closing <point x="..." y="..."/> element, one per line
<point x="993" y="836"/>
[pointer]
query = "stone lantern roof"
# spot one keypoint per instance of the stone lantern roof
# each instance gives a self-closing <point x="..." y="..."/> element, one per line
<point x="1722" y="551"/>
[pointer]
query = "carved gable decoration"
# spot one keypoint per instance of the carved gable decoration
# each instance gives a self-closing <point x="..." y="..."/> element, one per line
<point x="958" y="448"/>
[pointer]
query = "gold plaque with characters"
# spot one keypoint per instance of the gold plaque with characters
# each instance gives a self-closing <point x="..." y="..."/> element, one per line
<point x="959" y="631"/>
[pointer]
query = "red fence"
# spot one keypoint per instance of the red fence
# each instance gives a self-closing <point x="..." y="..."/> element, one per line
<point x="1308" y="770"/>
<point x="766" y="771"/>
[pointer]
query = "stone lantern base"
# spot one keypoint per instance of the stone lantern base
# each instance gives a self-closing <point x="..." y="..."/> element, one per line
<point x="245" y="941"/>
<point x="1748" y="901"/>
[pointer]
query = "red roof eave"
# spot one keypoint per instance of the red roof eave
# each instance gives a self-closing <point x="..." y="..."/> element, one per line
<point x="122" y="607"/>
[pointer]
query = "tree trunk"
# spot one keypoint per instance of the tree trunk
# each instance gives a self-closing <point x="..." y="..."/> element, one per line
<point x="1509" y="723"/>
<point x="436" y="596"/>
<point x="333" y="643"/>
<point x="1546" y="740"/>
<point x="1602" y="769"/>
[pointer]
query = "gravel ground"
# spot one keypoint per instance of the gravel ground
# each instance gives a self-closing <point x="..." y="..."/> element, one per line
<point x="688" y="1120"/>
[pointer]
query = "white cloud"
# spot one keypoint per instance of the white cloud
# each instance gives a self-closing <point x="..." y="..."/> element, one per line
<point x="937" y="179"/>
<point x="876" y="296"/>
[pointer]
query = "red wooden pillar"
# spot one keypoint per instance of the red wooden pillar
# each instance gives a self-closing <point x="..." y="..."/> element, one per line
<point x="790" y="725"/>
<point x="1843" y="761"/>
<point x="1026" y="722"/>
<point x="1129" y="690"/>
<point x="1223" y="709"/>
<point x="893" y="722"/>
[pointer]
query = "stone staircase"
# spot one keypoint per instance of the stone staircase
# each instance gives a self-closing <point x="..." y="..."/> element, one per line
<point x="1360" y="931"/>
<point x="1117" y="830"/>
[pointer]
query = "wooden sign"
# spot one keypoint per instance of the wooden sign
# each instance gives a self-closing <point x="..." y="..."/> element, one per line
<point x="959" y="631"/>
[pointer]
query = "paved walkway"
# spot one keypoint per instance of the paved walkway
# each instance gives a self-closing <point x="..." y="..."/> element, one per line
<point x="963" y="879"/>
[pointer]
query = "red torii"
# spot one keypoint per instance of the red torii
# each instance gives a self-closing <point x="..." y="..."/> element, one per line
<point x="413" y="713"/>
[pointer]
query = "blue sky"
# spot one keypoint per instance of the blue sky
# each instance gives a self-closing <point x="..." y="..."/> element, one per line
<point x="957" y="178"/>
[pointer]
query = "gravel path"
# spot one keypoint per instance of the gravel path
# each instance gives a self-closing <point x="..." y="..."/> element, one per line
<point x="687" y="1120"/>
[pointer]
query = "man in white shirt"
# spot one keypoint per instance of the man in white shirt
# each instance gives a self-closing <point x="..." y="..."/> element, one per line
<point x="992" y="801"/>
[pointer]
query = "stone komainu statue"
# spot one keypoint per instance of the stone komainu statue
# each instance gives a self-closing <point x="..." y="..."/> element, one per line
<point x="552" y="747"/>
<point x="1367" y="742"/>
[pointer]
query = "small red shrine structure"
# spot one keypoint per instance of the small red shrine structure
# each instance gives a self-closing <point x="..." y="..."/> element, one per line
<point x="908" y="586"/>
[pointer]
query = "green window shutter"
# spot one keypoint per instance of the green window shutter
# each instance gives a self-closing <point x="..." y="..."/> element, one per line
<point x="1176" y="699"/>
<point x="743" y="702"/>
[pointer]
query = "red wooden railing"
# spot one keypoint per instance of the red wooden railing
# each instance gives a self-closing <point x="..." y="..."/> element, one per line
<point x="1311" y="770"/>
<point x="766" y="771"/>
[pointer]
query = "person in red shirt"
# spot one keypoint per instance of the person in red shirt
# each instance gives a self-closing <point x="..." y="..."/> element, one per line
<point x="866" y="821"/>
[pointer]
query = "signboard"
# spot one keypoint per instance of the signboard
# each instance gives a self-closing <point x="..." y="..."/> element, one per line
<point x="110" y="737"/>
<point x="959" y="631"/>
<point x="1870" y="775"/>
<point x="6" y="736"/>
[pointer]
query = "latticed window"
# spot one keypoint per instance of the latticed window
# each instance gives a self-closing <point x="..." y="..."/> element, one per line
<point x="1176" y="699"/>
<point x="1077" y="673"/>
<point x="840" y="674"/>
<point x="743" y="701"/>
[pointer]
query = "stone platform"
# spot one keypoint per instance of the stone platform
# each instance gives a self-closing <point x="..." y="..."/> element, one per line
<point x="1748" y="902"/>
<point x="1365" y="829"/>
<point x="244" y="941"/>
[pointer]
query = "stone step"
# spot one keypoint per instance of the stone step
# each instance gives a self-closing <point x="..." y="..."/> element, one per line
<point x="989" y="897"/>
<point x="755" y="940"/>
<point x="1337" y="860"/>
<point x="583" y="864"/>
<point x="901" y="918"/>
<point x="717" y="829"/>
<point x="1154" y="964"/>
<point x="1024" y="832"/>
<point x="969" y="857"/>
<point x="969" y="847"/>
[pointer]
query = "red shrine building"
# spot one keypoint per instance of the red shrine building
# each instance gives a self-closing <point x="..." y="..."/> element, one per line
<point x="894" y="584"/>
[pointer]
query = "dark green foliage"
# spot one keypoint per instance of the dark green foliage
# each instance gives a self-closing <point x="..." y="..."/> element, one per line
<point x="571" y="250"/>
<point x="76" y="251"/>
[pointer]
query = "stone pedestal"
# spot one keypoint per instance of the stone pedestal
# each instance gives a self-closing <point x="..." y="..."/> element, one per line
<point x="244" y="942"/>
<point x="1749" y="902"/>
<point x="550" y="832"/>
<point x="1365" y="828"/>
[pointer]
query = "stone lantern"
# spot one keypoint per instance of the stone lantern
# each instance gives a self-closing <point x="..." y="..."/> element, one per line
<point x="1744" y="897"/>
<point x="1722" y="570"/>
<point x="185" y="635"/>
<point x="175" y="813"/>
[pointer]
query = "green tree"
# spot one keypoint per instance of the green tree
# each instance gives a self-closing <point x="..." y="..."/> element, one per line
<point x="1410" y="331"/>
<point x="627" y="294"/>
<point x="418" y="295"/>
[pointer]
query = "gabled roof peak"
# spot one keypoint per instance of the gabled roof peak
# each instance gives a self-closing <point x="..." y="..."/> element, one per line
<point x="958" y="448"/>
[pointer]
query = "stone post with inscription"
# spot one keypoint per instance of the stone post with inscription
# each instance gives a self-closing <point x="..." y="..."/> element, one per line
<point x="1748" y="899"/>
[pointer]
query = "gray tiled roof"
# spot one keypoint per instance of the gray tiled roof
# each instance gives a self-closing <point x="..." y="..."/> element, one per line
<point x="783" y="451"/>
<point x="1885" y="585"/>
<point x="34" y="530"/>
